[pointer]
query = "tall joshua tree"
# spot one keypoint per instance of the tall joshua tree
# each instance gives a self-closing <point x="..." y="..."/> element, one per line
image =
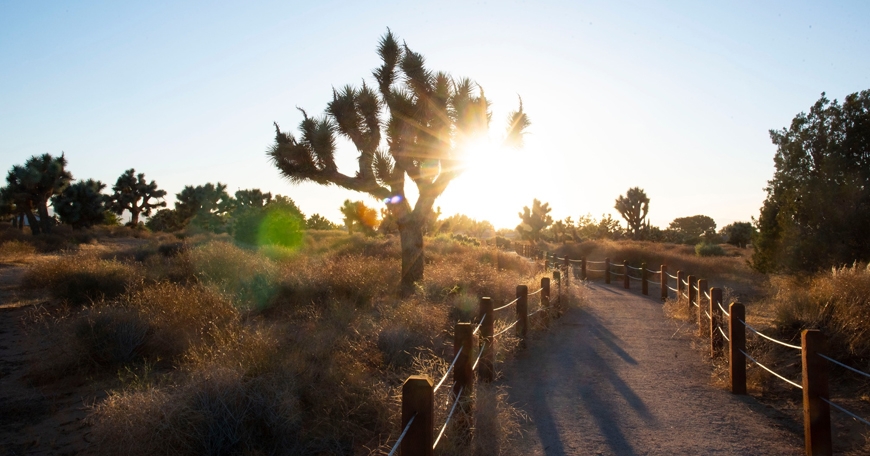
<point x="633" y="207"/>
<point x="133" y="193"/>
<point x="426" y="117"/>
<point x="31" y="186"/>
<point x="81" y="204"/>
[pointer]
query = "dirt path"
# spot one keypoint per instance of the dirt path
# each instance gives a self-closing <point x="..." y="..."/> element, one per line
<point x="618" y="377"/>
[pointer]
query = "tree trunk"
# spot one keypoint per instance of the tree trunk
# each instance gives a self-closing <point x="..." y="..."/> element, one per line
<point x="134" y="216"/>
<point x="411" y="235"/>
<point x="31" y="220"/>
<point x="44" y="219"/>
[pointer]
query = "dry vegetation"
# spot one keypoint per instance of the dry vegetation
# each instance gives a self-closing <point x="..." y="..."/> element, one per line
<point x="208" y="348"/>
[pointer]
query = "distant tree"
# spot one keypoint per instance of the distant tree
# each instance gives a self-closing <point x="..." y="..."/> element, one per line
<point x="534" y="220"/>
<point x="463" y="224"/>
<point x="166" y="220"/>
<point x="111" y="219"/>
<point x="738" y="233"/>
<point x="817" y="210"/>
<point x="253" y="197"/>
<point x="10" y="209"/>
<point x="33" y="184"/>
<point x="319" y="222"/>
<point x="133" y="193"/>
<point x="633" y="207"/>
<point x="427" y="118"/>
<point x="204" y="206"/>
<point x="82" y="204"/>
<point x="589" y="227"/>
<point x="689" y="230"/>
<point x="358" y="216"/>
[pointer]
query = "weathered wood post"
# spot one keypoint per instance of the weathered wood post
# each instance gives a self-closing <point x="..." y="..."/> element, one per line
<point x="567" y="272"/>
<point x="418" y="400"/>
<point x="737" y="360"/>
<point x="626" y="279"/>
<point x="583" y="268"/>
<point x="663" y="277"/>
<point x="607" y="270"/>
<point x="545" y="299"/>
<point x="680" y="286"/>
<point x="715" y="312"/>
<point x="463" y="374"/>
<point x="817" y="413"/>
<point x="702" y="288"/>
<point x="692" y="294"/>
<point x="485" y="315"/>
<point x="644" y="283"/>
<point x="522" y="313"/>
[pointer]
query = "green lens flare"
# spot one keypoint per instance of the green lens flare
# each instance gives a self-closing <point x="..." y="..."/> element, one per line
<point x="280" y="227"/>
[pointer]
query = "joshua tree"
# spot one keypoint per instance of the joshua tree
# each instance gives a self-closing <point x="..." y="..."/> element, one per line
<point x="132" y="193"/>
<point x="633" y="207"/>
<point x="81" y="204"/>
<point x="31" y="186"/>
<point x="359" y="216"/>
<point x="252" y="198"/>
<point x="534" y="220"/>
<point x="427" y="118"/>
<point x="206" y="206"/>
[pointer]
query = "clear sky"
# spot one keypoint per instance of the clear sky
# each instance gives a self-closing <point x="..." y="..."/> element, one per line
<point x="676" y="97"/>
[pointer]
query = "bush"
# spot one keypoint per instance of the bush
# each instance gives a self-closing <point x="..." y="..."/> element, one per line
<point x="81" y="279"/>
<point x="111" y="336"/>
<point x="16" y="251"/>
<point x="705" y="250"/>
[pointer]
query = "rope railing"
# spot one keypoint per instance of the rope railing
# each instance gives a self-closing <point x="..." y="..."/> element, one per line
<point x="768" y="337"/>
<point x="654" y="272"/>
<point x="506" y="305"/>
<point x="449" y="416"/>
<point x="536" y="291"/>
<point x="479" y="324"/>
<point x="856" y="417"/>
<point x="595" y="262"/>
<point x="707" y="295"/>
<point x="696" y="304"/>
<point x="686" y="282"/>
<point x="633" y="268"/>
<point x="723" y="333"/>
<point x="402" y="436"/>
<point x="708" y="314"/>
<point x="448" y="370"/>
<point x="595" y="270"/>
<point x="616" y="273"/>
<point x="723" y="309"/>
<point x="771" y="371"/>
<point x="479" y="355"/>
<point x="673" y="289"/>
<point x="671" y="276"/>
<point x="505" y="329"/>
<point x="576" y="261"/>
<point x="685" y="295"/>
<point x="843" y="365"/>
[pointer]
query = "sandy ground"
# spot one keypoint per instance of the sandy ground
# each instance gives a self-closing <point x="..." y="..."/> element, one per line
<point x="617" y="377"/>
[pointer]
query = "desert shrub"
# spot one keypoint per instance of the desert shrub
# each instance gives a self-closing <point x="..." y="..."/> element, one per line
<point x="80" y="279"/>
<point x="16" y="251"/>
<point x="705" y="250"/>
<point x="110" y="335"/>
<point x="248" y="277"/>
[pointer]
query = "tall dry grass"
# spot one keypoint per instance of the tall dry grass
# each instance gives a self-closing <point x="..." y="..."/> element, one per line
<point x="216" y="348"/>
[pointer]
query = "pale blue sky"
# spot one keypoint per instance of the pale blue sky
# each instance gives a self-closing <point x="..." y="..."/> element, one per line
<point x="674" y="97"/>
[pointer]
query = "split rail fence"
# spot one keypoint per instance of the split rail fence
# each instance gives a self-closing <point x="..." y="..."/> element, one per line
<point x="705" y="303"/>
<point x="418" y="435"/>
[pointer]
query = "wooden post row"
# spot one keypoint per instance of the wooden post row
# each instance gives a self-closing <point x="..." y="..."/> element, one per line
<point x="567" y="272"/>
<point x="736" y="359"/>
<point x="418" y="402"/>
<point x="486" y="369"/>
<point x="626" y="279"/>
<point x="702" y="287"/>
<point x="644" y="283"/>
<point x="522" y="313"/>
<point x="663" y="277"/>
<point x="463" y="375"/>
<point x="680" y="286"/>
<point x="817" y="413"/>
<point x="583" y="268"/>
<point x="690" y="290"/>
<point x="607" y="270"/>
<point x="545" y="300"/>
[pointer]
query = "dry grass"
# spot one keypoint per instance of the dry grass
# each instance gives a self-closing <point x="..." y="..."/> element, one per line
<point x="17" y="252"/>
<point x="218" y="349"/>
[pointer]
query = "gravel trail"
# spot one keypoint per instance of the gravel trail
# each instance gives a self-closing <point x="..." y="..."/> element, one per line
<point x="618" y="377"/>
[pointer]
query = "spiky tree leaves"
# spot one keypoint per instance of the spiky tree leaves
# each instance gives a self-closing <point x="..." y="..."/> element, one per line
<point x="133" y="193"/>
<point x="633" y="207"/>
<point x="82" y="204"/>
<point x="409" y="127"/>
<point x="359" y="217"/>
<point x="33" y="184"/>
<point x="252" y="198"/>
<point x="534" y="220"/>
<point x="204" y="206"/>
<point x="319" y="222"/>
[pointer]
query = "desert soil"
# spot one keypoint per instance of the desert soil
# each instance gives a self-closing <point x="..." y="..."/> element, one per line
<point x="615" y="376"/>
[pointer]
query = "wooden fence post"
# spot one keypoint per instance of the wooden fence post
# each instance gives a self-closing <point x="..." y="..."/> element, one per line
<point x="680" y="286"/>
<point x="463" y="374"/>
<point x="716" y="313"/>
<point x="607" y="270"/>
<point x="817" y="413"/>
<point x="644" y="283"/>
<point x="567" y="272"/>
<point x="486" y="370"/>
<point x="545" y="299"/>
<point x="583" y="268"/>
<point x="418" y="400"/>
<point x="663" y="277"/>
<point x="737" y="360"/>
<point x="691" y="293"/>
<point x="702" y="288"/>
<point x="522" y="313"/>
<point x="626" y="279"/>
